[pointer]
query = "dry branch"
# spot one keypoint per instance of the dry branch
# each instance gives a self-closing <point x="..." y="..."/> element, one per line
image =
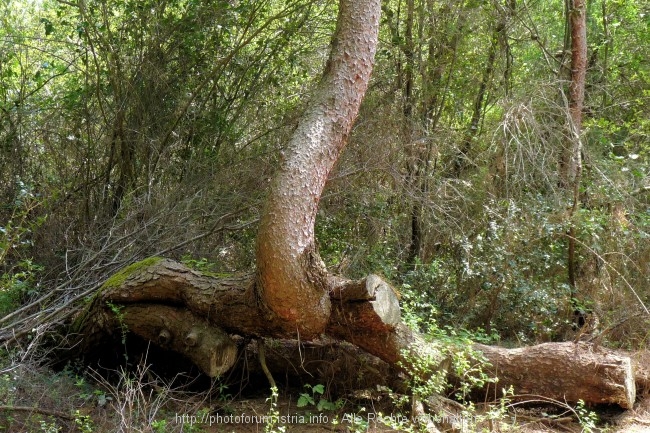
<point x="38" y="410"/>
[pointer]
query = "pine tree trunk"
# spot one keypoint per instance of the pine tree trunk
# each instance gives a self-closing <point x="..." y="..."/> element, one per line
<point x="292" y="277"/>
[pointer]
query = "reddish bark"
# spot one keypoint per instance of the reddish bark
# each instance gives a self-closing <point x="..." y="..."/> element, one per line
<point x="292" y="277"/>
<point x="578" y="21"/>
<point x="578" y="25"/>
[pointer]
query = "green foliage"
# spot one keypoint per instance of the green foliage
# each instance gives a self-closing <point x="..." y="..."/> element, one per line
<point x="17" y="285"/>
<point x="587" y="418"/>
<point x="316" y="393"/>
<point x="451" y="353"/>
<point x="201" y="265"/>
<point x="513" y="263"/>
<point x="7" y="388"/>
<point x="50" y="427"/>
<point x="88" y="393"/>
<point x="124" y="329"/>
<point x="273" y="415"/>
<point x="159" y="426"/>
<point x="83" y="422"/>
<point x="18" y="272"/>
<point x="425" y="377"/>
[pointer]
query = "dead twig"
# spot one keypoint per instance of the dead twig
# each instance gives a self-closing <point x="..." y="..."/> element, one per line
<point x="38" y="410"/>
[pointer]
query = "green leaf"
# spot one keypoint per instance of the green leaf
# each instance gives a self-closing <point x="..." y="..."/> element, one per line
<point x="324" y="404"/>
<point x="304" y="400"/>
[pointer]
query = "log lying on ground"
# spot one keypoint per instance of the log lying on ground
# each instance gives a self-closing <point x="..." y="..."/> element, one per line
<point x="343" y="367"/>
<point x="181" y="331"/>
<point x="565" y="372"/>
<point x="364" y="313"/>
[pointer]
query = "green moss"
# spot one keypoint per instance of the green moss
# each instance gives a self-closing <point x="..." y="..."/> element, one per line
<point x="119" y="277"/>
<point x="205" y="267"/>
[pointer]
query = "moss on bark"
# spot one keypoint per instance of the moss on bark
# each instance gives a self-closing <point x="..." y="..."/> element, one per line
<point x="118" y="279"/>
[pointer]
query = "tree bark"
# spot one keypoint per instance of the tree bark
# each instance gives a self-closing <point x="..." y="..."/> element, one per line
<point x="565" y="372"/>
<point x="578" y="26"/>
<point x="364" y="312"/>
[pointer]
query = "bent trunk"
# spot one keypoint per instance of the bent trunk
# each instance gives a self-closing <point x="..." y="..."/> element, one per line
<point x="292" y="278"/>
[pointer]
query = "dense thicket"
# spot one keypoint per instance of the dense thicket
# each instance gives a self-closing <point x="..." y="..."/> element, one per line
<point x="135" y="128"/>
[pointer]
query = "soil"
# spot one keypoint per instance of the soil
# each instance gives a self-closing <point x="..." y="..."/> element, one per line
<point x="39" y="400"/>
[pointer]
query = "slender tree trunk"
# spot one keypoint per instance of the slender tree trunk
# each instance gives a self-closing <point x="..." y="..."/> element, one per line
<point x="409" y="54"/>
<point x="396" y="37"/>
<point x="433" y="88"/>
<point x="479" y="102"/>
<point x="413" y="159"/>
<point x="606" y="49"/>
<point x="578" y="25"/>
<point x="578" y="75"/>
<point x="507" y="17"/>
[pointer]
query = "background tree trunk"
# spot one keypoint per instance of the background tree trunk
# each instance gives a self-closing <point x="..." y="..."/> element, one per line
<point x="578" y="25"/>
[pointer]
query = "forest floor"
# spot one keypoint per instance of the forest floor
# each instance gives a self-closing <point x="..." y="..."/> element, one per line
<point x="530" y="420"/>
<point x="524" y="421"/>
<point x="34" y="399"/>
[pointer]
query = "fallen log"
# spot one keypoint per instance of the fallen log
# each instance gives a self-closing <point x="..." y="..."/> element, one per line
<point x="564" y="371"/>
<point x="341" y="366"/>
<point x="165" y="302"/>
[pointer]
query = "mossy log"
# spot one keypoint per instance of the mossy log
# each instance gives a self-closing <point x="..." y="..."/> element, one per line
<point x="195" y="314"/>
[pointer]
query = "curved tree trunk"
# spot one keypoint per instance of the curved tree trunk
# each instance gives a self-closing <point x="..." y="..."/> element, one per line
<point x="293" y="283"/>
